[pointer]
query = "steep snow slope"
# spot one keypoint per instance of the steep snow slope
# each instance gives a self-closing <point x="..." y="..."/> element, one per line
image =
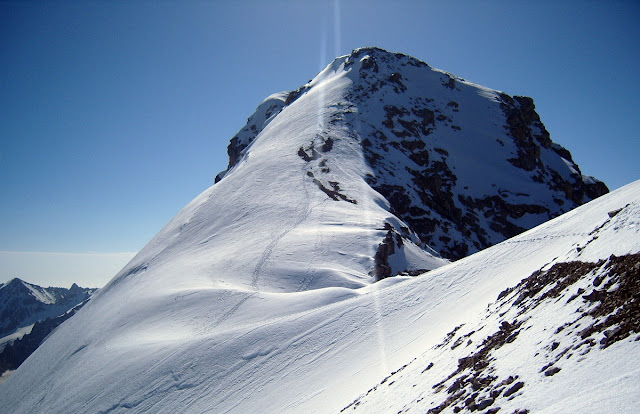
<point x="166" y="355"/>
<point x="561" y="340"/>
<point x="258" y="295"/>
<point x="294" y="212"/>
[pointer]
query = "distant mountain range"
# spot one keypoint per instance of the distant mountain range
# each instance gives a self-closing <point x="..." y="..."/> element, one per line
<point x="388" y="238"/>
<point x="28" y="313"/>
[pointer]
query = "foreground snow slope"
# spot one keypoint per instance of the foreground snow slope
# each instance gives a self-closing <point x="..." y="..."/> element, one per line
<point x="170" y="351"/>
<point x="563" y="340"/>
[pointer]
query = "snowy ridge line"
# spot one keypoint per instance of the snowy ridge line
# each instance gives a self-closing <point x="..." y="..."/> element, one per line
<point x="524" y="239"/>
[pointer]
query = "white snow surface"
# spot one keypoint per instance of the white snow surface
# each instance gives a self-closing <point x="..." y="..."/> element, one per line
<point x="259" y="296"/>
<point x="148" y="345"/>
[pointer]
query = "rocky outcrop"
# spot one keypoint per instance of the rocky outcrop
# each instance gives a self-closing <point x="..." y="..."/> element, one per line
<point x="443" y="208"/>
<point x="523" y="124"/>
<point x="530" y="136"/>
<point x="385" y="249"/>
<point x="597" y="305"/>
<point x="255" y="124"/>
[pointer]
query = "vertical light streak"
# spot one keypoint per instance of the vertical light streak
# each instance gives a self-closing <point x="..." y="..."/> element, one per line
<point x="323" y="62"/>
<point x="337" y="36"/>
<point x="367" y="206"/>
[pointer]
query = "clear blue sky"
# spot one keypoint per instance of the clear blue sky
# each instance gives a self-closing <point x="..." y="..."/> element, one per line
<point x="114" y="115"/>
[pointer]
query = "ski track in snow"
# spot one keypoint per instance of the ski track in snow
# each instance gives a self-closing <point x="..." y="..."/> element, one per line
<point x="310" y="274"/>
<point x="231" y="311"/>
<point x="204" y="327"/>
<point x="311" y="270"/>
<point x="304" y="213"/>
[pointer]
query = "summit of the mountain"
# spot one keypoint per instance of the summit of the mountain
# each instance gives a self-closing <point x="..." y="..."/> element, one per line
<point x="463" y="166"/>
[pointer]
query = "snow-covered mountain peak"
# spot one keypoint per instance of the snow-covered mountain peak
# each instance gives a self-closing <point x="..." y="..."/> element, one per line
<point x="380" y="165"/>
<point x="23" y="303"/>
<point x="461" y="165"/>
<point x="276" y="281"/>
<point x="12" y="284"/>
<point x="18" y="287"/>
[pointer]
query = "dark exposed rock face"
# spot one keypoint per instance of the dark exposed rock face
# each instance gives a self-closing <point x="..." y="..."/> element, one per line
<point x="434" y="200"/>
<point x="596" y="189"/>
<point x="530" y="136"/>
<point x="385" y="249"/>
<point x="523" y="124"/>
